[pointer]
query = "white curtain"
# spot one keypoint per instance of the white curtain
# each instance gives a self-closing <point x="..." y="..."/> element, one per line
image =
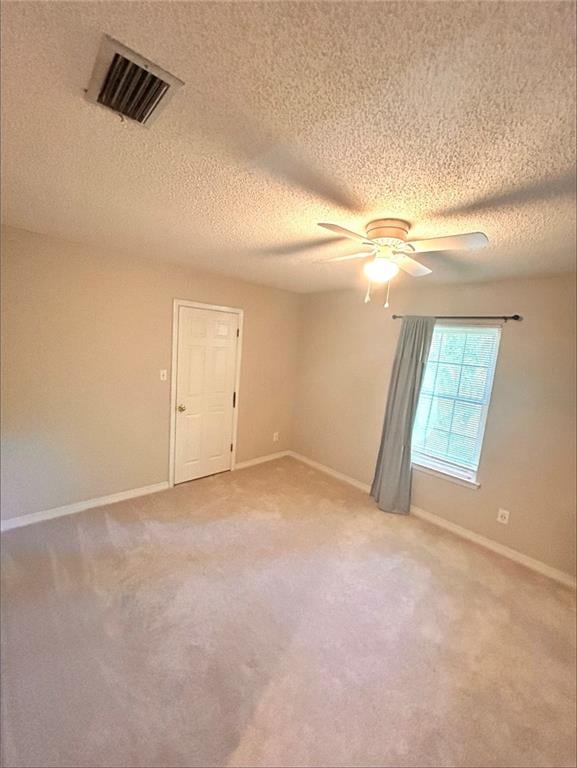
<point x="391" y="487"/>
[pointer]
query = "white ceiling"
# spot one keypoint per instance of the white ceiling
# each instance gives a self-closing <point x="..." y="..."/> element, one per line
<point x="295" y="113"/>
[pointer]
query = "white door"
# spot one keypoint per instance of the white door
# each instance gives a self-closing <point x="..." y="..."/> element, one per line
<point x="205" y="379"/>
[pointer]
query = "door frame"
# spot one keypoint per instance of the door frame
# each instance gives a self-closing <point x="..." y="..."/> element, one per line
<point x="176" y="305"/>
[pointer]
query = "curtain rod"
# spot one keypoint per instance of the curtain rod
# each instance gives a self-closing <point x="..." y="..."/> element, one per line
<point x="469" y="317"/>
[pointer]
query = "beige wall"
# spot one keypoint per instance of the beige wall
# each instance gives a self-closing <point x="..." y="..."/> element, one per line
<point x="528" y="460"/>
<point x="85" y="334"/>
<point x="85" y="414"/>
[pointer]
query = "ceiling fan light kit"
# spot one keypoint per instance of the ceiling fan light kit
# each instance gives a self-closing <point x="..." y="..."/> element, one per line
<point x="390" y="249"/>
<point x="380" y="270"/>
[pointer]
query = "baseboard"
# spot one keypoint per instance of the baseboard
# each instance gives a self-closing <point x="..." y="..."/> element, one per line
<point x="80" y="506"/>
<point x="329" y="471"/>
<point x="260" y="460"/>
<point x="101" y="501"/>
<point x="500" y="549"/>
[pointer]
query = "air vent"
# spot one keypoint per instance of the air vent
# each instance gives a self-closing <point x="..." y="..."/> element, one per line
<point x="129" y="84"/>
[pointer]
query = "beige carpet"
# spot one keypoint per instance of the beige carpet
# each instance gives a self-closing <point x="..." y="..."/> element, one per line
<point x="275" y="617"/>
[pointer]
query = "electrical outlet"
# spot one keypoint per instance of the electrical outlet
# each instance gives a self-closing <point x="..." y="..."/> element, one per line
<point x="163" y="374"/>
<point x="503" y="516"/>
<point x="275" y="437"/>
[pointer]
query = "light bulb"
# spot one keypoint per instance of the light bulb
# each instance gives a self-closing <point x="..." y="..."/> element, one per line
<point x="380" y="270"/>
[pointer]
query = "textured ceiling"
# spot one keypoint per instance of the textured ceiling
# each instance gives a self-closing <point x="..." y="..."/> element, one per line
<point x="456" y="116"/>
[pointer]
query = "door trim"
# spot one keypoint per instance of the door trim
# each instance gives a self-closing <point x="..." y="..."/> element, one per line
<point x="176" y="305"/>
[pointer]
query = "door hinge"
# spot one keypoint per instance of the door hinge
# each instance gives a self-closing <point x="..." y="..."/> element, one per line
<point x="237" y="332"/>
<point x="234" y="399"/>
<point x="231" y="447"/>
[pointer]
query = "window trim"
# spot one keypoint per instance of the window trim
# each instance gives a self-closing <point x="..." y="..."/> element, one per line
<point x="444" y="469"/>
<point x="453" y="473"/>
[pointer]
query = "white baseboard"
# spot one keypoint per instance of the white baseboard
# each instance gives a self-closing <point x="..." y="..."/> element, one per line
<point x="500" y="549"/>
<point x="80" y="506"/>
<point x="101" y="501"/>
<point x="329" y="471"/>
<point x="260" y="460"/>
<point x="494" y="546"/>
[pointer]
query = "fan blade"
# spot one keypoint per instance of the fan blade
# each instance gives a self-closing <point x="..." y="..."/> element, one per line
<point x="346" y="233"/>
<point x="472" y="241"/>
<point x="289" y="249"/>
<point x="361" y="255"/>
<point x="563" y="185"/>
<point x="412" y="267"/>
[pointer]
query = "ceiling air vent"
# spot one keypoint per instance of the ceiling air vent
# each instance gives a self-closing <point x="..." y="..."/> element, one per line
<point x="130" y="84"/>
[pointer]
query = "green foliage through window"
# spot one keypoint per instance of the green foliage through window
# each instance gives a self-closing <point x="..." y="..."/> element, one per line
<point x="455" y="394"/>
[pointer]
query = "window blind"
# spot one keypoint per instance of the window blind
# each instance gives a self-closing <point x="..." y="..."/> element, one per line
<point x="455" y="394"/>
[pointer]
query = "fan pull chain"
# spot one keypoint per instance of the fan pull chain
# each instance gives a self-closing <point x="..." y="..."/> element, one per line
<point x="368" y="294"/>
<point x="387" y="296"/>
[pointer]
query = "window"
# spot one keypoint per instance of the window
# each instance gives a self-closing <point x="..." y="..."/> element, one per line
<point x="455" y="394"/>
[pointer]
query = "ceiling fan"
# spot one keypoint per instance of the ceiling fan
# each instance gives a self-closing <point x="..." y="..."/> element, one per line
<point x="391" y="251"/>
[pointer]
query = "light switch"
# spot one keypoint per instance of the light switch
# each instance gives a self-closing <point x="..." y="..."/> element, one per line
<point x="163" y="374"/>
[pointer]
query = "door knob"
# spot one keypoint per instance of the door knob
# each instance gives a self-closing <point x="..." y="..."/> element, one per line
<point x="181" y="408"/>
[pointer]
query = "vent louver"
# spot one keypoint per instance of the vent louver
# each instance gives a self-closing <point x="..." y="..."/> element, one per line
<point x="131" y="90"/>
<point x="129" y="84"/>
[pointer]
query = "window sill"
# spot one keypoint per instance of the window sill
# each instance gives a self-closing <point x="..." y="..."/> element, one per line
<point x="446" y="475"/>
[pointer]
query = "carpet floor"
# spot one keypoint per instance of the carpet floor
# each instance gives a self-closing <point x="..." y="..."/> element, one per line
<point x="274" y="617"/>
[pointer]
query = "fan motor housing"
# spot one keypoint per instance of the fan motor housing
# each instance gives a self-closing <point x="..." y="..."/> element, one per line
<point x="388" y="228"/>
